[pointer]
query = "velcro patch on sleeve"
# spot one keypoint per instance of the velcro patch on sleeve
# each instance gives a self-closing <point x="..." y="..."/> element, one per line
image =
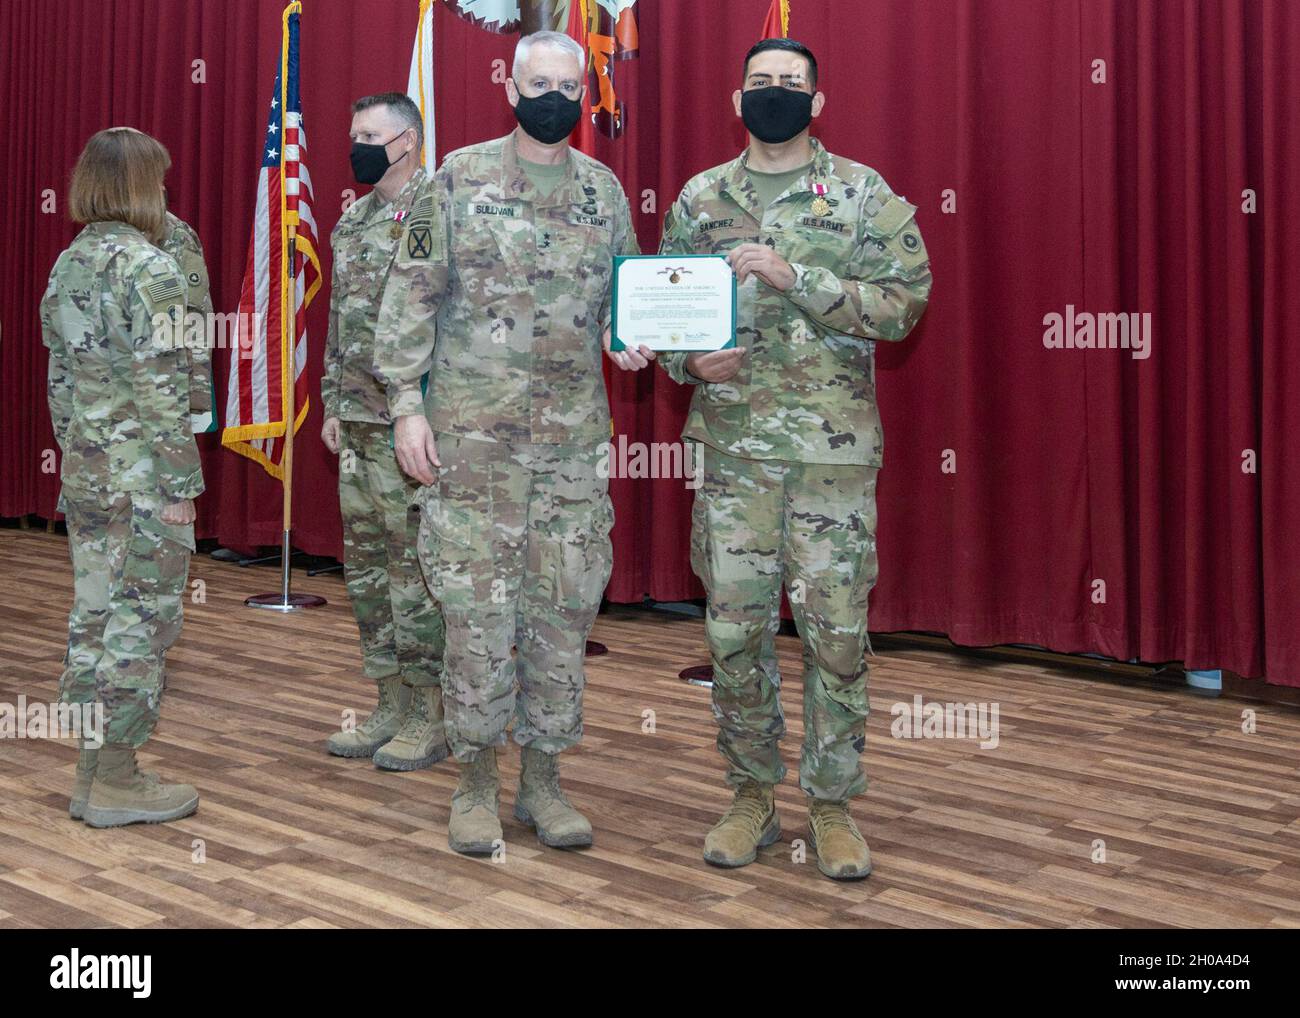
<point x="908" y="247"/>
<point x="423" y="208"/>
<point x="894" y="214"/>
<point x="424" y="240"/>
<point x="164" y="293"/>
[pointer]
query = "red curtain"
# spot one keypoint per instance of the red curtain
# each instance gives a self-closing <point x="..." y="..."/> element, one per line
<point x="1018" y="479"/>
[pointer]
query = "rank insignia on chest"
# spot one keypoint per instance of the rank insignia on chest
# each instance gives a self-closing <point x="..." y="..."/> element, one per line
<point x="395" y="231"/>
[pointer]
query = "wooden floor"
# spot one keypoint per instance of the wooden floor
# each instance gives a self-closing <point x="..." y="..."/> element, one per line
<point x="1200" y="822"/>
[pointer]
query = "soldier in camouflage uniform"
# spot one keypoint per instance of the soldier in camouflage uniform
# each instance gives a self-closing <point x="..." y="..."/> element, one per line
<point x="828" y="261"/>
<point x="514" y="265"/>
<point x="119" y="396"/>
<point x="399" y="622"/>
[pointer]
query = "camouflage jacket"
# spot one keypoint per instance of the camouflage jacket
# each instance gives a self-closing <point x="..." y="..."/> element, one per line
<point x="182" y="243"/>
<point x="519" y="284"/>
<point x="363" y="244"/>
<point x="806" y="391"/>
<point x="119" y="395"/>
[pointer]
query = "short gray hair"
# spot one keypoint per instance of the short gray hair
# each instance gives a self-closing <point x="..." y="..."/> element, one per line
<point x="556" y="40"/>
<point x="401" y="106"/>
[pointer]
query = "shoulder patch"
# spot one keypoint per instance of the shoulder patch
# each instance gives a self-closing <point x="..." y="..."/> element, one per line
<point x="422" y="209"/>
<point x="162" y="289"/>
<point x="892" y="216"/>
<point x="162" y="274"/>
<point x="419" y="242"/>
<point x="424" y="239"/>
<point x="163" y="292"/>
<point x="905" y="242"/>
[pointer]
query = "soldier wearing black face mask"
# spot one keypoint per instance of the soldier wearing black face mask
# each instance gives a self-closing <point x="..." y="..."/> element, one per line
<point x="549" y="117"/>
<point x="370" y="161"/>
<point x="503" y="297"/>
<point x="400" y="626"/>
<point x="828" y="261"/>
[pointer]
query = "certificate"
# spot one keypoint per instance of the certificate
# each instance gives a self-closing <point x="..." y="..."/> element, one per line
<point x="673" y="302"/>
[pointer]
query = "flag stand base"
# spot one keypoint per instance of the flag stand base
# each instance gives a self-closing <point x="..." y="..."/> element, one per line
<point x="285" y="601"/>
<point x="276" y="602"/>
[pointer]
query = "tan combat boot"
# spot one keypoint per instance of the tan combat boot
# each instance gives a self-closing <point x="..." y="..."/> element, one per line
<point x="380" y="727"/>
<point x="842" y="853"/>
<point x="121" y="794"/>
<point x="421" y="741"/>
<point x="749" y="824"/>
<point x="85" y="778"/>
<point x="474" y="828"/>
<point x="541" y="804"/>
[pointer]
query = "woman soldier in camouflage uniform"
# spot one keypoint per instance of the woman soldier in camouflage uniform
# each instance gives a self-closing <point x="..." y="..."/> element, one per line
<point x="119" y="392"/>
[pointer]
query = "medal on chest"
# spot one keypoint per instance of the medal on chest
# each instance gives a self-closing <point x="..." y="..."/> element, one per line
<point x="820" y="206"/>
<point x="395" y="230"/>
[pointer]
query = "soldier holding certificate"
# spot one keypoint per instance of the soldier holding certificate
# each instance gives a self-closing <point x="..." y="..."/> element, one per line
<point x="828" y="261"/>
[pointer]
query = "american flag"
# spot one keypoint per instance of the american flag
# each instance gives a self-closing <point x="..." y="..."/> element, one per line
<point x="260" y="364"/>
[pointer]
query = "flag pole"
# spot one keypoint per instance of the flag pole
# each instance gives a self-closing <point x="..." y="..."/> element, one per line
<point x="290" y="417"/>
<point x="285" y="601"/>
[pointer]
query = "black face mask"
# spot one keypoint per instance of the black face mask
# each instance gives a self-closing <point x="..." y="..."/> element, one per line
<point x="549" y="117"/>
<point x="370" y="162"/>
<point x="775" y="114"/>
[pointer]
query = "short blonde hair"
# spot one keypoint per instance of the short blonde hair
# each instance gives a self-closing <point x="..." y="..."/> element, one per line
<point x="119" y="178"/>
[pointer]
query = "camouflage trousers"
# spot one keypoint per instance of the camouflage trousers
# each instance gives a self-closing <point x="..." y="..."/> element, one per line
<point x="129" y="570"/>
<point x="514" y="541"/>
<point x="400" y="624"/>
<point x="757" y="523"/>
